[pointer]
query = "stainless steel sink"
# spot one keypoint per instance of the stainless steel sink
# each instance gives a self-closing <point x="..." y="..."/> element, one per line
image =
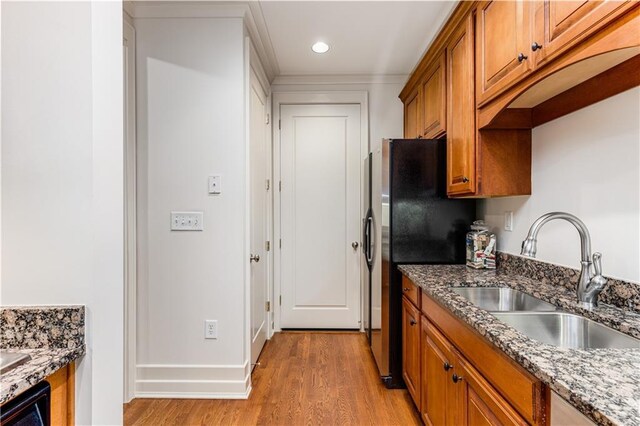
<point x="502" y="299"/>
<point x="10" y="360"/>
<point x="566" y="330"/>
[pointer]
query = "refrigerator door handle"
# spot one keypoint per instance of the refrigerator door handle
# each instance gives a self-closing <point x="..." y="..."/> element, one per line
<point x="370" y="240"/>
<point x="365" y="232"/>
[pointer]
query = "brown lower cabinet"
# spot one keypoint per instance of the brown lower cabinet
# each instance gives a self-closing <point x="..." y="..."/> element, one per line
<point x="456" y="377"/>
<point x="411" y="348"/>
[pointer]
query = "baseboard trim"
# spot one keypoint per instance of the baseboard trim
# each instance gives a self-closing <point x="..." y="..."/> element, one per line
<point x="193" y="381"/>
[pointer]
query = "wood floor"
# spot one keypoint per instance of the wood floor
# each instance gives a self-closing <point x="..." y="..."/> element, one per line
<point x="304" y="378"/>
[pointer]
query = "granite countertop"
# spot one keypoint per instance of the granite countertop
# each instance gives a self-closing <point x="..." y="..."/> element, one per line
<point x="52" y="335"/>
<point x="604" y="384"/>
<point x="43" y="363"/>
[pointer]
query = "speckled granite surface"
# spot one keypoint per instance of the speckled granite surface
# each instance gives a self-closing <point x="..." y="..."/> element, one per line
<point x="43" y="363"/>
<point x="617" y="292"/>
<point x="41" y="327"/>
<point x="604" y="384"/>
<point x="52" y="335"/>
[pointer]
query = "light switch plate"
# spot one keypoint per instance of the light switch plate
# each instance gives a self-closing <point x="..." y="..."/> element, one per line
<point x="215" y="184"/>
<point x="508" y="221"/>
<point x="187" y="221"/>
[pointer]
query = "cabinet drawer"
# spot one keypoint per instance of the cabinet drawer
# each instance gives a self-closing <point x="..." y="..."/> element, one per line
<point x="522" y="390"/>
<point x="411" y="291"/>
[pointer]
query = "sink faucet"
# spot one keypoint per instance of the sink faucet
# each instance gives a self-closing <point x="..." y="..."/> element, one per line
<point x="589" y="285"/>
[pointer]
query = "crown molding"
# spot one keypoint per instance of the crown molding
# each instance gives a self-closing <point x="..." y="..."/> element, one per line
<point x="249" y="12"/>
<point x="340" y="79"/>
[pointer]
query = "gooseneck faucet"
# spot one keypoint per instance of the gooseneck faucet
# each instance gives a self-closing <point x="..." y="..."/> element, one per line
<point x="589" y="284"/>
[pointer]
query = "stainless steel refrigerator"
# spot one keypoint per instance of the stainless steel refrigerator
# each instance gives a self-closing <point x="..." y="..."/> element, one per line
<point x="409" y="220"/>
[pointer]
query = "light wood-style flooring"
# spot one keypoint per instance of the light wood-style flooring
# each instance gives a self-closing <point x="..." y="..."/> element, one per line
<point x="305" y="378"/>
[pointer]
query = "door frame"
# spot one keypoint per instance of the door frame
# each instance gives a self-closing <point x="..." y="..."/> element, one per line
<point x="310" y="98"/>
<point x="130" y="211"/>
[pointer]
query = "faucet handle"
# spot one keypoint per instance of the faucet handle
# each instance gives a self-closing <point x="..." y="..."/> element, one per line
<point x="597" y="262"/>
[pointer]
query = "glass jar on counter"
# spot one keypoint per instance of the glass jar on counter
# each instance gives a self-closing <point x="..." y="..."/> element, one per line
<point x="481" y="246"/>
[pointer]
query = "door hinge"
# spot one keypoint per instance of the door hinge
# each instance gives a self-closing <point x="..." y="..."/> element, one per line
<point x="267" y="306"/>
<point x="267" y="120"/>
<point x="280" y="186"/>
<point x="267" y="245"/>
<point x="268" y="185"/>
<point x="280" y="243"/>
<point x="280" y="300"/>
<point x="280" y="124"/>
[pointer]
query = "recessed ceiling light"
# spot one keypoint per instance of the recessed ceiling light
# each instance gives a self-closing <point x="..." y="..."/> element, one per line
<point x="320" y="47"/>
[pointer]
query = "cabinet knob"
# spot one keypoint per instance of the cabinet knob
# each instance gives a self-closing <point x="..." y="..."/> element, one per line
<point x="456" y="378"/>
<point x="254" y="258"/>
<point x="447" y="366"/>
<point x="413" y="322"/>
<point x="465" y="179"/>
<point x="405" y="289"/>
<point x="419" y="137"/>
<point x="535" y="46"/>
<point x="522" y="57"/>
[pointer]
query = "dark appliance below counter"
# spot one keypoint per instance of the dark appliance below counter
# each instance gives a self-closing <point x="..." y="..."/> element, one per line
<point x="30" y="408"/>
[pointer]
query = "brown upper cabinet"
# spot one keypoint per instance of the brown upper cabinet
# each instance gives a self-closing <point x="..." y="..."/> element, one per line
<point x="461" y="132"/>
<point x="434" y="111"/>
<point x="503" y="36"/>
<point x="509" y="66"/>
<point x="412" y="116"/>
<point x="559" y="25"/>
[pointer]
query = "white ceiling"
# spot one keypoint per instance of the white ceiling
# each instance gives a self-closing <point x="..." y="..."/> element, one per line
<point x="365" y="37"/>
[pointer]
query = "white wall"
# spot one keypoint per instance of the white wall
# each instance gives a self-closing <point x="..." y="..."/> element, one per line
<point x="62" y="178"/>
<point x="191" y="124"/>
<point x="586" y="163"/>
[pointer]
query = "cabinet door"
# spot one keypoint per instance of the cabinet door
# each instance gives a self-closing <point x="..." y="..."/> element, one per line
<point x="478" y="402"/>
<point x="438" y="404"/>
<point x="503" y="38"/>
<point x="461" y="165"/>
<point x="558" y="24"/>
<point x="412" y="116"/>
<point x="434" y="110"/>
<point x="411" y="348"/>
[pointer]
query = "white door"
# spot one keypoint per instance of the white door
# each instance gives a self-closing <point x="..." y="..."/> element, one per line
<point x="320" y="216"/>
<point x="258" y="160"/>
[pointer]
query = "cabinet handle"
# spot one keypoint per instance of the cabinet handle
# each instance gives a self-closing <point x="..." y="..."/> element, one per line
<point x="522" y="57"/>
<point x="447" y="366"/>
<point x="419" y="137"/>
<point x="456" y="378"/>
<point x="465" y="179"/>
<point x="413" y="322"/>
<point x="535" y="46"/>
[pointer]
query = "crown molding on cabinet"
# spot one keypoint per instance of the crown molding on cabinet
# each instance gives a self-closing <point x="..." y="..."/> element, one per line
<point x="249" y="12"/>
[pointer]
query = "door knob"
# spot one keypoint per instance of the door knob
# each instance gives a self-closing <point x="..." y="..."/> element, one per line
<point x="254" y="258"/>
<point x="354" y="245"/>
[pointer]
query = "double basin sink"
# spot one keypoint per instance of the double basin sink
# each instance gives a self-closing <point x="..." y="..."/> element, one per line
<point x="543" y="321"/>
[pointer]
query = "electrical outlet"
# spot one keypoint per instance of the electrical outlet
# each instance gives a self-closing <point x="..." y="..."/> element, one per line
<point x="210" y="329"/>
<point x="215" y="184"/>
<point x="187" y="221"/>
<point x="508" y="221"/>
